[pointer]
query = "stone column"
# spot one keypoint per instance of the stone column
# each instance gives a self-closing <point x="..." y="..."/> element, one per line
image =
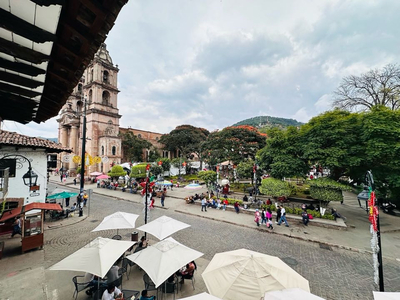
<point x="63" y="141"/>
<point x="73" y="137"/>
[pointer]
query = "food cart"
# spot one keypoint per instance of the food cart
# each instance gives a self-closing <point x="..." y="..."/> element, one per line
<point x="32" y="217"/>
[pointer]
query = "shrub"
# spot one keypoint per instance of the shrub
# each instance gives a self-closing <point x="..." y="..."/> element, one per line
<point x="117" y="171"/>
<point x="325" y="189"/>
<point x="275" y="187"/>
<point x="138" y="171"/>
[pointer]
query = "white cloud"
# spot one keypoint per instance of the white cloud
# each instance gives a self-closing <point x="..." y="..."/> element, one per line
<point x="213" y="63"/>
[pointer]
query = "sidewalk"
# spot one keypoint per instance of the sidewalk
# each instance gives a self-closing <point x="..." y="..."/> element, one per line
<point x="356" y="238"/>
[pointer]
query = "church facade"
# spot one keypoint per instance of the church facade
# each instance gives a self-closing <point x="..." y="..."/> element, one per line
<point x="98" y="87"/>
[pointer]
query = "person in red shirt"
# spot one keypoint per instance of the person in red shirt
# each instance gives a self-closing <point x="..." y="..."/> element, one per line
<point x="225" y="203"/>
<point x="236" y="205"/>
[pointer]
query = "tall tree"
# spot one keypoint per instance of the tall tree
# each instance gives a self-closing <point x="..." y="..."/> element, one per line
<point x="235" y="143"/>
<point x="185" y="138"/>
<point x="333" y="140"/>
<point x="283" y="156"/>
<point x="133" y="146"/>
<point x="376" y="87"/>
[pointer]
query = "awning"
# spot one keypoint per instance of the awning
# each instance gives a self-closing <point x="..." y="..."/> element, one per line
<point x="45" y="46"/>
<point x="32" y="206"/>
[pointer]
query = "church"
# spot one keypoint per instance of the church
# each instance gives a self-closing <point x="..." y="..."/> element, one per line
<point x="98" y="87"/>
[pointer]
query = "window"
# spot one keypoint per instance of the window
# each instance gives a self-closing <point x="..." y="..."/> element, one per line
<point x="80" y="88"/>
<point x="114" y="150"/>
<point x="90" y="96"/>
<point x="106" y="77"/>
<point x="91" y="75"/>
<point x="102" y="150"/>
<point x="156" y="138"/>
<point x="106" y="98"/>
<point x="139" y="136"/>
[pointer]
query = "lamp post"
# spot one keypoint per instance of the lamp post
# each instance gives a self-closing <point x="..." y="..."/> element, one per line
<point x="30" y="178"/>
<point x="82" y="182"/>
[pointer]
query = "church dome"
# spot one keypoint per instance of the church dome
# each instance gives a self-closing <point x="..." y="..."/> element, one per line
<point x="103" y="54"/>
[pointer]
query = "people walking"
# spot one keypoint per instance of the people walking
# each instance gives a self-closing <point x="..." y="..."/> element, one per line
<point x="236" y="206"/>
<point x="283" y="217"/>
<point x="257" y="217"/>
<point x="263" y="217"/>
<point x="268" y="215"/>
<point x="278" y="214"/>
<point x="203" y="204"/>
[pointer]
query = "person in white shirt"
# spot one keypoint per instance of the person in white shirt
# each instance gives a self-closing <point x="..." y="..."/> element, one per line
<point x="112" y="293"/>
<point x="283" y="217"/>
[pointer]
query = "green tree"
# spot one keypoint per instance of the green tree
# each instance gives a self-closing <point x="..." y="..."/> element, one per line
<point x="133" y="146"/>
<point x="283" y="155"/>
<point x="185" y="138"/>
<point x="166" y="164"/>
<point x="245" y="169"/>
<point x="138" y="171"/>
<point x="156" y="169"/>
<point x="117" y="171"/>
<point x="153" y="155"/>
<point x="208" y="177"/>
<point x="235" y="143"/>
<point x="275" y="187"/>
<point x="333" y="140"/>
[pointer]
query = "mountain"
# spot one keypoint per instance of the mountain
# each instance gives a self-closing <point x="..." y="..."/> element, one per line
<point x="268" y="121"/>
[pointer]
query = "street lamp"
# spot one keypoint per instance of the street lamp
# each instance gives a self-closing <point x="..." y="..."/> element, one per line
<point x="363" y="196"/>
<point x="30" y="178"/>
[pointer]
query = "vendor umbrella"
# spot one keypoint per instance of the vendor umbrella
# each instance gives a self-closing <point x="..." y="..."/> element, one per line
<point x="163" y="259"/>
<point x="95" y="174"/>
<point x="202" y="296"/>
<point x="165" y="182"/>
<point x="246" y="274"/>
<point x="102" y="177"/>
<point x="118" y="220"/>
<point x="290" y="294"/>
<point x="62" y="195"/>
<point x="386" y="295"/>
<point x="193" y="186"/>
<point x="163" y="227"/>
<point x="95" y="258"/>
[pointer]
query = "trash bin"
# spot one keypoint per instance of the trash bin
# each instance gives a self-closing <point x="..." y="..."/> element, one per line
<point x="135" y="236"/>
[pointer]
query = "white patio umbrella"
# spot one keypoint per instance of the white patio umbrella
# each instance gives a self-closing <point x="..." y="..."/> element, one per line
<point x="202" y="296"/>
<point x="118" y="220"/>
<point x="95" y="174"/>
<point x="245" y="274"/>
<point x="163" y="259"/>
<point x="290" y="294"/>
<point x="96" y="258"/>
<point x="386" y="296"/>
<point x="163" y="227"/>
<point x="193" y="186"/>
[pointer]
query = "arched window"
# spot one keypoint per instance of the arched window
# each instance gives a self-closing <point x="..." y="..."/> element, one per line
<point x="106" y="98"/>
<point x="139" y="136"/>
<point x="80" y="88"/>
<point x="91" y="75"/>
<point x="102" y="150"/>
<point x="156" y="138"/>
<point x="90" y="96"/>
<point x="113" y="150"/>
<point x="106" y="78"/>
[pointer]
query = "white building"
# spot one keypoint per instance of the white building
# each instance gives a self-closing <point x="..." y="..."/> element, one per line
<point x="14" y="148"/>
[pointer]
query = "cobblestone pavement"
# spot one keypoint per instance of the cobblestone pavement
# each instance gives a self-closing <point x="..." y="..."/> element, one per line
<point x="332" y="273"/>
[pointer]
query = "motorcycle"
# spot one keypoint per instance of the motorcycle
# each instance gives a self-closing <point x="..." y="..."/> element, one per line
<point x="388" y="207"/>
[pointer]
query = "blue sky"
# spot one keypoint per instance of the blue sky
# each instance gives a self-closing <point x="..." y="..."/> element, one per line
<point x="211" y="63"/>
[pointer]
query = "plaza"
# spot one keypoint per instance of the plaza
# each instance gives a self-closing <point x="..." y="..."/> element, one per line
<point x="337" y="263"/>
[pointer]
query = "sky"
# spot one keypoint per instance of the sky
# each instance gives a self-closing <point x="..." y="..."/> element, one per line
<point x="212" y="63"/>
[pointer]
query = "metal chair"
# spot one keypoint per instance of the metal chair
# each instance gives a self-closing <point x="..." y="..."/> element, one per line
<point x="79" y="286"/>
<point x="169" y="288"/>
<point x="149" y="284"/>
<point x="128" y="294"/>
<point x="124" y="268"/>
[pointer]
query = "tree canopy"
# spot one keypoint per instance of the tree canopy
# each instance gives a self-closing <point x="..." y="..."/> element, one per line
<point x="133" y="146"/>
<point x="376" y="87"/>
<point x="235" y="143"/>
<point x="283" y="155"/>
<point x="208" y="177"/>
<point x="117" y="171"/>
<point x="185" y="138"/>
<point x="275" y="187"/>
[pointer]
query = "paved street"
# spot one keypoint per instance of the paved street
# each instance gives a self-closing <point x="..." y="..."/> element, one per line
<point x="333" y="273"/>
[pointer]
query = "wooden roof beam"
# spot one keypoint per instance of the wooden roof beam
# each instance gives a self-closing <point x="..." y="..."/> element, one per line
<point x="21" y="67"/>
<point x="18" y="90"/>
<point x="19" y="80"/>
<point x="24" y="28"/>
<point x="24" y="53"/>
